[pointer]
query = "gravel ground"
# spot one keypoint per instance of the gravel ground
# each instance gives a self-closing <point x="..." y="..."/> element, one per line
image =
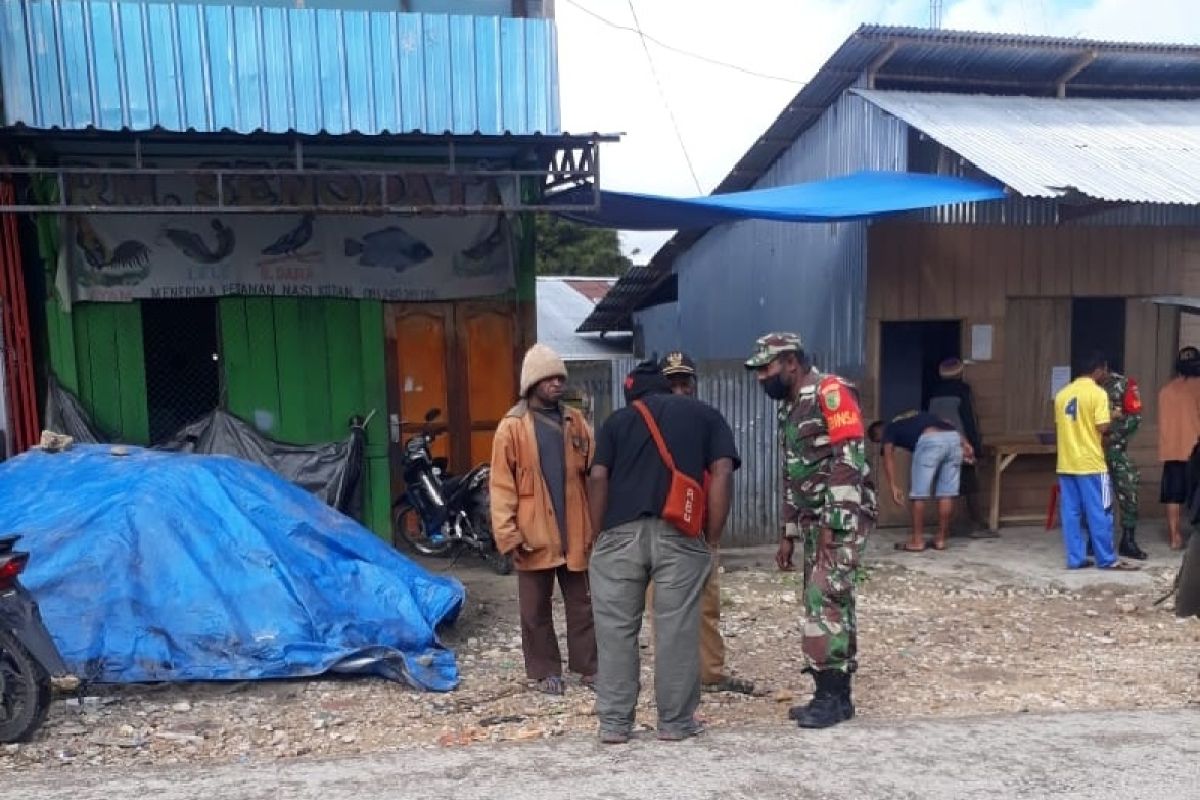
<point x="931" y="645"/>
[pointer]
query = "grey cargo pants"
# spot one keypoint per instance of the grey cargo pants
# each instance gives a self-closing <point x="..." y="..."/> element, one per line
<point x="624" y="561"/>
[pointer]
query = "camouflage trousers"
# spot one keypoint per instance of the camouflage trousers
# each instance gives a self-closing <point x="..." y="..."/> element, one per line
<point x="1125" y="479"/>
<point x="830" y="621"/>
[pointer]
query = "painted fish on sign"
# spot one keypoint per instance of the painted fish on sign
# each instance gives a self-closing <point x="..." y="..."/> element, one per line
<point x="390" y="248"/>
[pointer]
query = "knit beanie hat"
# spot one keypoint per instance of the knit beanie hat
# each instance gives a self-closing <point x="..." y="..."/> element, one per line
<point x="540" y="363"/>
<point x="645" y="379"/>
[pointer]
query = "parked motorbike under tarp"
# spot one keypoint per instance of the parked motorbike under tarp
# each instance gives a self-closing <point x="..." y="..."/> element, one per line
<point x="332" y="470"/>
<point x="154" y="566"/>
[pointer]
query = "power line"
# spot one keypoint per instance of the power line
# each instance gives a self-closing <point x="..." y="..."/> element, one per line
<point x="690" y="54"/>
<point x="663" y="95"/>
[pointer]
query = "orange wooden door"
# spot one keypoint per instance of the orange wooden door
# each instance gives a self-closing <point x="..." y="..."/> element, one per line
<point x="422" y="357"/>
<point x="460" y="358"/>
<point x="488" y="335"/>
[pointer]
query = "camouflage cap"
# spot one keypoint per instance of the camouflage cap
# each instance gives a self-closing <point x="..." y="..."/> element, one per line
<point x="766" y="348"/>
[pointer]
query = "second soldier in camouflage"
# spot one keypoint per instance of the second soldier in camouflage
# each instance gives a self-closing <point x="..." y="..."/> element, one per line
<point x="1125" y="405"/>
<point x="829" y="505"/>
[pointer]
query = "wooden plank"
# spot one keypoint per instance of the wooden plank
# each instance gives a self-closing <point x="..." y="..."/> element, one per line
<point x="131" y="373"/>
<point x="61" y="332"/>
<point x="1065" y="249"/>
<point x="342" y="337"/>
<point x="236" y="361"/>
<point x="374" y="375"/>
<point x="262" y="375"/>
<point x="105" y="385"/>
<point x="1038" y="329"/>
<point x="877" y="273"/>
<point x="378" y="496"/>
<point x="908" y="288"/>
<point x="319" y="424"/>
<point x="292" y="370"/>
<point x="83" y="355"/>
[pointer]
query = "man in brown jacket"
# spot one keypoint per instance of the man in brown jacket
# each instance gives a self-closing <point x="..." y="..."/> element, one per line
<point x="540" y="459"/>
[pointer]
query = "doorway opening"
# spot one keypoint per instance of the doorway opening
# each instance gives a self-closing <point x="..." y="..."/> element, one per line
<point x="1098" y="325"/>
<point x="183" y="370"/>
<point x="908" y="365"/>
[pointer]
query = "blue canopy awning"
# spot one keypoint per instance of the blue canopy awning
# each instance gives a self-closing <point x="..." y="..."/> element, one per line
<point x="861" y="195"/>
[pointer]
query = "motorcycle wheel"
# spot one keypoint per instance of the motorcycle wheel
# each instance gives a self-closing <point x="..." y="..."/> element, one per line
<point x="408" y="527"/>
<point x="24" y="691"/>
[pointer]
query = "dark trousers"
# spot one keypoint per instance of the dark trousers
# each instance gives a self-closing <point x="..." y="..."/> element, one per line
<point x="539" y="641"/>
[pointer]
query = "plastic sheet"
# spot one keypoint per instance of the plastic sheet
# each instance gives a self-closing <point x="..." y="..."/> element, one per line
<point x="860" y="195"/>
<point x="158" y="566"/>
<point x="332" y="471"/>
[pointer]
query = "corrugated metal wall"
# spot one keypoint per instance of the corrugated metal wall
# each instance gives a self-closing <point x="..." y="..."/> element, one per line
<point x="742" y="280"/>
<point x="754" y="518"/>
<point x="114" y="65"/>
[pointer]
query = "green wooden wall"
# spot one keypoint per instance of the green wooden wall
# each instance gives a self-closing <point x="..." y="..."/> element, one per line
<point x="96" y="351"/>
<point x="301" y="367"/>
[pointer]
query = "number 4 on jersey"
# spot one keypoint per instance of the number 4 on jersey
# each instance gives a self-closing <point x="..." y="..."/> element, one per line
<point x="1072" y="409"/>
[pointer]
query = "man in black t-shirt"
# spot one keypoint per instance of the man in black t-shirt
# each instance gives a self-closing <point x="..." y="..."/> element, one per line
<point x="627" y="489"/>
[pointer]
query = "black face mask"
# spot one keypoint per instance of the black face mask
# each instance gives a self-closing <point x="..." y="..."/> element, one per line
<point x="776" y="388"/>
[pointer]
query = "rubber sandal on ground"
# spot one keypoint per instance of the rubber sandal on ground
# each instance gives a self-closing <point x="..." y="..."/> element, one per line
<point x="905" y="547"/>
<point x="728" y="683"/>
<point x="552" y="685"/>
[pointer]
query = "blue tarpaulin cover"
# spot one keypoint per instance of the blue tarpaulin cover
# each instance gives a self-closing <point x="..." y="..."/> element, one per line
<point x="167" y="567"/>
<point x="862" y="195"/>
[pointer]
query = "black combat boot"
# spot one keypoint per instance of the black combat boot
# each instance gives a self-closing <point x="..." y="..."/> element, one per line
<point x="830" y="703"/>
<point x="1129" y="546"/>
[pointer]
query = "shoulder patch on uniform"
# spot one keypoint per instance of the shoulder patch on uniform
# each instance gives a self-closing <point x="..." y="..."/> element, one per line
<point x="842" y="415"/>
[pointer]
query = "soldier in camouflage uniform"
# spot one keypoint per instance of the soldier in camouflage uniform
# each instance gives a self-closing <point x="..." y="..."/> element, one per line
<point x="1125" y="404"/>
<point x="829" y="504"/>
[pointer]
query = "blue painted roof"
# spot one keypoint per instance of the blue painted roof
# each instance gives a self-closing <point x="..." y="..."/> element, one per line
<point x="117" y="65"/>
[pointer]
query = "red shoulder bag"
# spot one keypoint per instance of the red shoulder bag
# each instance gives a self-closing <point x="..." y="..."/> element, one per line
<point x="685" y="504"/>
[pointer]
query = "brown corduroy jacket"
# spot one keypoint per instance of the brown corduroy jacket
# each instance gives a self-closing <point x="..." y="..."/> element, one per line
<point x="522" y="511"/>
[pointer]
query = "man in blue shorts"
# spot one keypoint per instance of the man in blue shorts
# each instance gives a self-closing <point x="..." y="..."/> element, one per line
<point x="938" y="453"/>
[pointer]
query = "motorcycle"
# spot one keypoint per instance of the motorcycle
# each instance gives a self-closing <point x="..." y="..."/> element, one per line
<point x="440" y="514"/>
<point x="30" y="665"/>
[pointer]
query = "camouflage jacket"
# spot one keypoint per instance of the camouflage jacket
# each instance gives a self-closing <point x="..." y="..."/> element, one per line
<point x="1125" y="403"/>
<point x="826" y="480"/>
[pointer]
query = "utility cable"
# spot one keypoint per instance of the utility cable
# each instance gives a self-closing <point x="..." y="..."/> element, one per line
<point x="666" y="103"/>
<point x="690" y="54"/>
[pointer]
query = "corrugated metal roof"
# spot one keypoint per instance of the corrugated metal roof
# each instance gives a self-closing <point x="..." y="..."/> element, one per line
<point x="561" y="308"/>
<point x="113" y="65"/>
<point x="1136" y="151"/>
<point x="915" y="58"/>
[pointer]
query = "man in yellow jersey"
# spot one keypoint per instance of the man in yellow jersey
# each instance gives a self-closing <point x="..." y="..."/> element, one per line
<point x="1081" y="417"/>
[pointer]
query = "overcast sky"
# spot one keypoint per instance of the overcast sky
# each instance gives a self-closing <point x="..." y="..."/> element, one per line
<point x="607" y="85"/>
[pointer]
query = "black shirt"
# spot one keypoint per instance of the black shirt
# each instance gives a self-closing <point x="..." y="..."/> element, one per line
<point x="905" y="432"/>
<point x="695" y="433"/>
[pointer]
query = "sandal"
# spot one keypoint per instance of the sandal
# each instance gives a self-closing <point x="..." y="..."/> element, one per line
<point x="728" y="683"/>
<point x="908" y="548"/>
<point x="1123" y="566"/>
<point x="552" y="685"/>
<point x="936" y="545"/>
